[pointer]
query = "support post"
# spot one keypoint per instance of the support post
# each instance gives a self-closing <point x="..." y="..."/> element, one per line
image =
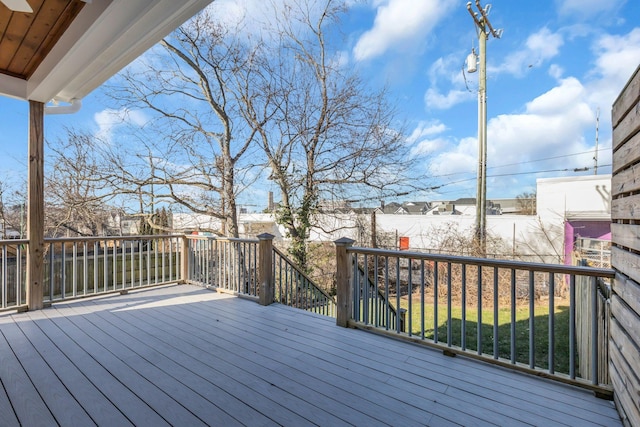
<point x="344" y="294"/>
<point x="265" y="268"/>
<point x="184" y="264"/>
<point x="35" y="210"/>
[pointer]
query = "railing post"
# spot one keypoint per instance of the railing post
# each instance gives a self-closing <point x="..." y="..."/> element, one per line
<point x="343" y="283"/>
<point x="265" y="268"/>
<point x="184" y="258"/>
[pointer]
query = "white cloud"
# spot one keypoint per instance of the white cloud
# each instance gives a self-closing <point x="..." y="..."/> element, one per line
<point x="463" y="158"/>
<point x="551" y="126"/>
<point x="109" y="120"/>
<point x="556" y="71"/>
<point x="436" y="100"/>
<point x="400" y="23"/>
<point x="428" y="146"/>
<point x="422" y="137"/>
<point x="587" y="8"/>
<point x="538" y="48"/>
<point x="425" y="129"/>
<point x="616" y="58"/>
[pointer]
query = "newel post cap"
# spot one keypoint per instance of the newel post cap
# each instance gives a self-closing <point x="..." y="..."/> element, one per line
<point x="344" y="241"/>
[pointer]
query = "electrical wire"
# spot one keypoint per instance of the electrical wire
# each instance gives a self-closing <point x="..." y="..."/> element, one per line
<point x="584" y="169"/>
<point x="523" y="163"/>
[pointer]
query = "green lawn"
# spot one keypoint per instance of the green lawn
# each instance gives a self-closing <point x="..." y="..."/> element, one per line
<point x="541" y="331"/>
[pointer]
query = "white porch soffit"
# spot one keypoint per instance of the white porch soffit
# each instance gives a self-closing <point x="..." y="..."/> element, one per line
<point x="104" y="37"/>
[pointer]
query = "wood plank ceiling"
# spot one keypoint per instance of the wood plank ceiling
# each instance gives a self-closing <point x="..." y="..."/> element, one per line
<point x="27" y="38"/>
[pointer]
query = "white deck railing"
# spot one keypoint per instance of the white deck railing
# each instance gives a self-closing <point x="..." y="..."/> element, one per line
<point x="80" y="267"/>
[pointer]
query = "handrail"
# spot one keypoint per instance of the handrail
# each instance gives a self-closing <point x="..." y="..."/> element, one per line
<point x="306" y="294"/>
<point x="491" y="262"/>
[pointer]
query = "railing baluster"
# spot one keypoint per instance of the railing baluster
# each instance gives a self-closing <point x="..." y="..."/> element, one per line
<point x="105" y="269"/>
<point x="140" y="263"/>
<point x="397" y="320"/>
<point x="532" y="314"/>
<point x="449" y="308"/>
<point x="552" y="324"/>
<point x="366" y="288"/>
<point x="63" y="287"/>
<point x="572" y="326"/>
<point x="408" y="326"/>
<point x="74" y="270"/>
<point x="512" y="334"/>
<point x="18" y="275"/>
<point x="422" y="299"/>
<point x="479" y="329"/>
<point x="155" y="258"/>
<point x="5" y="286"/>
<point x="495" y="313"/>
<point x="51" y="273"/>
<point x="376" y="293"/>
<point x="149" y="245"/>
<point x="124" y="263"/>
<point x="435" y="302"/>
<point x="387" y="310"/>
<point x="594" y="330"/>
<point x="85" y="269"/>
<point x="463" y="326"/>
<point x="96" y="270"/>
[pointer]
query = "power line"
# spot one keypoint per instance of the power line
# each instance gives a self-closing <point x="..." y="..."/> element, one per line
<point x="524" y="163"/>
<point x="583" y="169"/>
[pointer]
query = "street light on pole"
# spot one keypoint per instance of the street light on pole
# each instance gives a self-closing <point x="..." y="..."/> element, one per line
<point x="484" y="29"/>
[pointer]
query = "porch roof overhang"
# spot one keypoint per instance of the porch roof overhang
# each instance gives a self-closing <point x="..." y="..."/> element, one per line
<point x="65" y="49"/>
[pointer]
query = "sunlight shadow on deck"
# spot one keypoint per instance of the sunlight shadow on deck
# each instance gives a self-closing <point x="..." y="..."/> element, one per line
<point x="178" y="300"/>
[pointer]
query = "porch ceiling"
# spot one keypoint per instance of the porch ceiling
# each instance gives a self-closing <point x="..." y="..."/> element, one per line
<point x="64" y="49"/>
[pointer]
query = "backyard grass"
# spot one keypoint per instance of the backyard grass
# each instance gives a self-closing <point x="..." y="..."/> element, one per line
<point x="522" y="316"/>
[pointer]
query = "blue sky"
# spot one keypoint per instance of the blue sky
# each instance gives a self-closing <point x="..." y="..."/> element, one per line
<point x="557" y="64"/>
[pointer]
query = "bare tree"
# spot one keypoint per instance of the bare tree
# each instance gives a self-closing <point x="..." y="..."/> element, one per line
<point x="189" y="87"/>
<point x="75" y="193"/>
<point x="526" y="203"/>
<point x="328" y="136"/>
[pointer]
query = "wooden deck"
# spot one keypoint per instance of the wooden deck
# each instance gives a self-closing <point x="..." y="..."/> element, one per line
<point x="185" y="356"/>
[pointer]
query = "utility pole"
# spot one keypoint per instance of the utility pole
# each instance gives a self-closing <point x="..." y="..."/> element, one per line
<point x="484" y="29"/>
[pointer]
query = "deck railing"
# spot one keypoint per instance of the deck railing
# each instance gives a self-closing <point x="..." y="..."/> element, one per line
<point x="379" y="309"/>
<point x="227" y="264"/>
<point x="13" y="267"/>
<point x="234" y="265"/>
<point x="294" y="288"/>
<point x="516" y="314"/>
<point x="80" y="267"/>
<point x="533" y="317"/>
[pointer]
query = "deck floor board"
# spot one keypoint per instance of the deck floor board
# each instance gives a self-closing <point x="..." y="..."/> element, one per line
<point x="182" y="355"/>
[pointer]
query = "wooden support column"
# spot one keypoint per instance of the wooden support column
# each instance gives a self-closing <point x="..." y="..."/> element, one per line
<point x="35" y="210"/>
<point x="265" y="268"/>
<point x="344" y="294"/>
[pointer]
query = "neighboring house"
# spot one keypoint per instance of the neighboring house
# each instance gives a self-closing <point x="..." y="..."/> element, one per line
<point x="582" y="204"/>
